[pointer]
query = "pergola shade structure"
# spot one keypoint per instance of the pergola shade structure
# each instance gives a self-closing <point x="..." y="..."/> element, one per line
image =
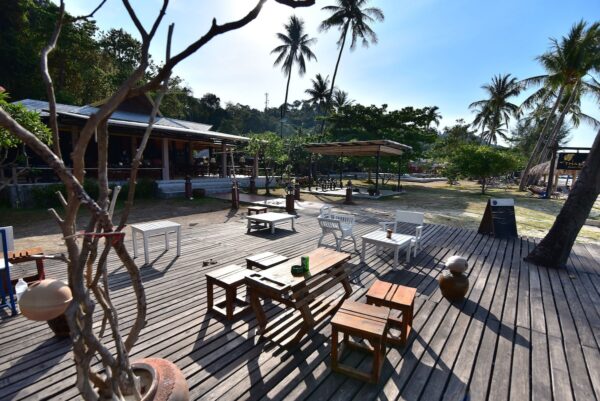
<point x="376" y="148"/>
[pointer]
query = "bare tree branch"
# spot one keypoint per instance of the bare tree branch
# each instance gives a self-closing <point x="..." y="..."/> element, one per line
<point x="48" y="79"/>
<point x="90" y="15"/>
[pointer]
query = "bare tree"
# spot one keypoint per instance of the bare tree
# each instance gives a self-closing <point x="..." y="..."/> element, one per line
<point x="87" y="251"/>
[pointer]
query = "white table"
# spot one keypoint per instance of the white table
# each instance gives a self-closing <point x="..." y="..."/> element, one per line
<point x="153" y="228"/>
<point x="271" y="219"/>
<point x="396" y="243"/>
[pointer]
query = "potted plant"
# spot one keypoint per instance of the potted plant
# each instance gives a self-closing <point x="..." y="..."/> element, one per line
<point x="117" y="378"/>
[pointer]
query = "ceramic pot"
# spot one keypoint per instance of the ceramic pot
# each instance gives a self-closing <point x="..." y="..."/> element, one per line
<point x="45" y="300"/>
<point x="161" y="380"/>
<point x="59" y="326"/>
<point x="454" y="285"/>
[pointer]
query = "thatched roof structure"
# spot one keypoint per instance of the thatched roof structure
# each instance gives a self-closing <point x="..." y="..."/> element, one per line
<point x="540" y="169"/>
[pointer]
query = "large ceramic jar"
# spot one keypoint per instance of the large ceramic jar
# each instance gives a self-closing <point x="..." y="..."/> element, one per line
<point x="454" y="284"/>
<point x="161" y="380"/>
<point x="45" y="300"/>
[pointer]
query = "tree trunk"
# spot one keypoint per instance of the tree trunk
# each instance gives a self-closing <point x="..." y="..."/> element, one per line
<point x="554" y="249"/>
<point x="284" y="107"/>
<point x="483" y="186"/>
<point x="337" y="63"/>
<point x="540" y="141"/>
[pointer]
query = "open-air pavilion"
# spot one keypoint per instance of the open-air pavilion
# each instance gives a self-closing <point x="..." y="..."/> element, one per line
<point x="375" y="148"/>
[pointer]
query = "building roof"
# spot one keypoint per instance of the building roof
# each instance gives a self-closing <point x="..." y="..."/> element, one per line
<point x="135" y="120"/>
<point x="359" y="148"/>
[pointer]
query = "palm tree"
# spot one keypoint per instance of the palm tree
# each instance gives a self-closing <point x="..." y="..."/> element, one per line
<point x="495" y="111"/>
<point x="351" y="15"/>
<point x="340" y="99"/>
<point x="294" y="50"/>
<point x="319" y="92"/>
<point x="319" y="95"/>
<point x="433" y="116"/>
<point x="567" y="63"/>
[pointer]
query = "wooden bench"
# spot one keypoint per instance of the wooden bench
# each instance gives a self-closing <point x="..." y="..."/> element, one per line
<point x="265" y="260"/>
<point x="229" y="278"/>
<point x="256" y="210"/>
<point x="27" y="255"/>
<point x="368" y="322"/>
<point x="397" y="297"/>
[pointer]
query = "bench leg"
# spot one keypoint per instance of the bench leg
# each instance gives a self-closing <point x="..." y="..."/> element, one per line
<point x="230" y="295"/>
<point x="209" y="293"/>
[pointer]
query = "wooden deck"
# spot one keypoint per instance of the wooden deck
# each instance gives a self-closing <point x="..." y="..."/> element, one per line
<point x="524" y="333"/>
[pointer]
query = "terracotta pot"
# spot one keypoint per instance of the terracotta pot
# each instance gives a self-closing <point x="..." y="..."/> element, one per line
<point x="59" y="326"/>
<point x="161" y="380"/>
<point x="45" y="300"/>
<point x="454" y="285"/>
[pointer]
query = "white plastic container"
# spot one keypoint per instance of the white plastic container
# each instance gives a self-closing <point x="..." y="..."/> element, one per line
<point x="20" y="288"/>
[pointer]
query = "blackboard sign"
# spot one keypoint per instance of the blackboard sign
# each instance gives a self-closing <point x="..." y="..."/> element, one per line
<point x="571" y="161"/>
<point x="499" y="219"/>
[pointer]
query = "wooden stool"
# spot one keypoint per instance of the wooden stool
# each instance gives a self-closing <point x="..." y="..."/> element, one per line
<point x="27" y="255"/>
<point x="398" y="297"/>
<point x="256" y="209"/>
<point x="229" y="278"/>
<point x="265" y="260"/>
<point x="365" y="321"/>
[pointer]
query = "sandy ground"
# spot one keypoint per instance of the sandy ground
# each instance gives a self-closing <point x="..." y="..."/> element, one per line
<point x="456" y="206"/>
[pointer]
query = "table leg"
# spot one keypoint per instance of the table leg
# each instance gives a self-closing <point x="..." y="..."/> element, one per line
<point x="362" y="252"/>
<point x="178" y="241"/>
<point x="293" y="228"/>
<point x="272" y="228"/>
<point x="249" y="225"/>
<point x="261" y="318"/>
<point x="396" y="252"/>
<point x="133" y="235"/>
<point x="408" y="252"/>
<point x="167" y="240"/>
<point x="146" y="252"/>
<point x="308" y="322"/>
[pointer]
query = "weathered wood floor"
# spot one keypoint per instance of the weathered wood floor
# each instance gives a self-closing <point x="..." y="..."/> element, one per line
<point x="524" y="333"/>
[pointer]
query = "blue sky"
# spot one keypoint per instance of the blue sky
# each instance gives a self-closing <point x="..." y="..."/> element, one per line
<point x="430" y="52"/>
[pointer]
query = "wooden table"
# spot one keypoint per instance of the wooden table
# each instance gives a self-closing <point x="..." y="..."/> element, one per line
<point x="396" y="243"/>
<point x="271" y="219"/>
<point x="278" y="283"/>
<point x="153" y="228"/>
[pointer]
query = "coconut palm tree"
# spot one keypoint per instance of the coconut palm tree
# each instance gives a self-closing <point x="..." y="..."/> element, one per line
<point x="353" y="16"/>
<point x="319" y="95"/>
<point x="340" y="99"/>
<point x="294" y="50"/>
<point x="495" y="111"/>
<point x="567" y="63"/>
<point x="433" y="115"/>
<point x="318" y="92"/>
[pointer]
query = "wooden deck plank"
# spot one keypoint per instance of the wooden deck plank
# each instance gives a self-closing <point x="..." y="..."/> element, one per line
<point x="515" y="313"/>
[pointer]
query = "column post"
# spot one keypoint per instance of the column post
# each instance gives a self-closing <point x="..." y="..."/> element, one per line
<point x="166" y="174"/>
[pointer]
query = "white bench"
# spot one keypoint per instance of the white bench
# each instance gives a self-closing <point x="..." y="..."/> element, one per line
<point x="154" y="228"/>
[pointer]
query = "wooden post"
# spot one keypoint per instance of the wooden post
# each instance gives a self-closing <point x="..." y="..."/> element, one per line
<point x="377" y="174"/>
<point x="341" y="180"/>
<point x="166" y="174"/>
<point x="223" y="160"/>
<point x="399" y="170"/>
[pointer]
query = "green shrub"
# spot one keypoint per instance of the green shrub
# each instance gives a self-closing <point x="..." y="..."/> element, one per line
<point x="45" y="196"/>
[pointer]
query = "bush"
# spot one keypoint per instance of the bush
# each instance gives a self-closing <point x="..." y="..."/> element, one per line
<point x="45" y="196"/>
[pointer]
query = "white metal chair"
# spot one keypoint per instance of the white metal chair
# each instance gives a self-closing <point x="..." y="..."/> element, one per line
<point x="325" y="211"/>
<point x="338" y="225"/>
<point x="403" y="216"/>
<point x="10" y="241"/>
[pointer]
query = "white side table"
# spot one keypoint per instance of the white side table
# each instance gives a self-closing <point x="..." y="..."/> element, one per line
<point x="396" y="243"/>
<point x="154" y="228"/>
